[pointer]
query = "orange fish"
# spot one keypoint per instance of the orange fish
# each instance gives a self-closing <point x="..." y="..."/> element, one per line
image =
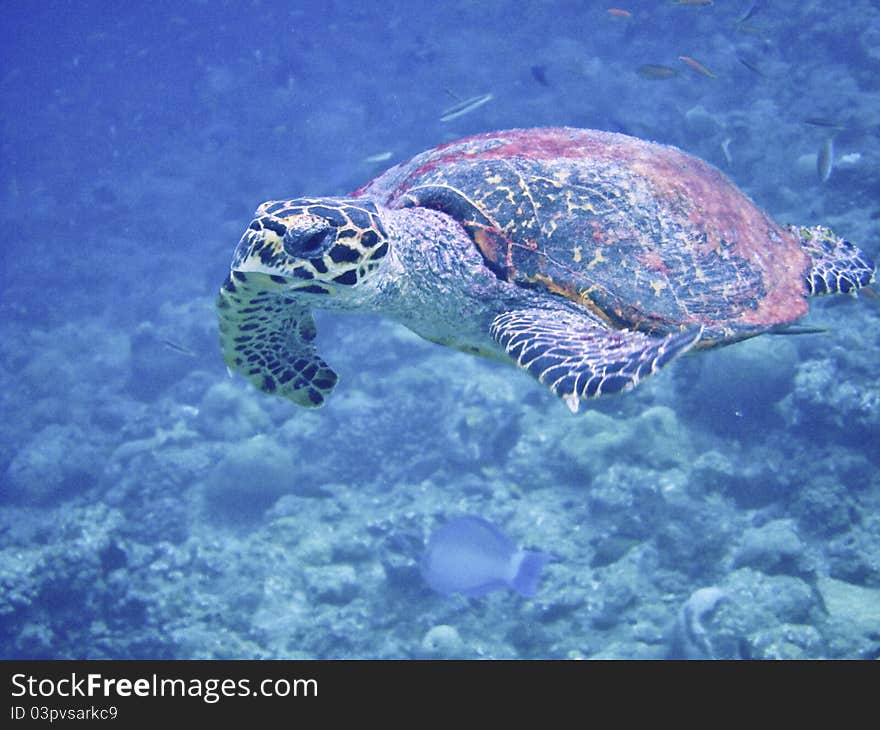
<point x="618" y="13"/>
<point x="697" y="66"/>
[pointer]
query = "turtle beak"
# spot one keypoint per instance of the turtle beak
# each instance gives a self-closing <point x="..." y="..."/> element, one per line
<point x="259" y="252"/>
<point x="260" y="258"/>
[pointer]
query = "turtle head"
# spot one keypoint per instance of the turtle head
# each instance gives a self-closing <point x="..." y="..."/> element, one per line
<point x="313" y="245"/>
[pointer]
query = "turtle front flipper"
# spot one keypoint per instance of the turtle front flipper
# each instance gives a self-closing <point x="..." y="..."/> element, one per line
<point x="578" y="358"/>
<point x="837" y="265"/>
<point x="268" y="338"/>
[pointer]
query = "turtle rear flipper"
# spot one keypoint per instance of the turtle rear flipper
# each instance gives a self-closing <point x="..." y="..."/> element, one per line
<point x="268" y="338"/>
<point x="838" y="266"/>
<point x="577" y="358"/>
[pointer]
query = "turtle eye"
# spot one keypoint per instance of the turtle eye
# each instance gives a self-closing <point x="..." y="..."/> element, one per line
<point x="311" y="242"/>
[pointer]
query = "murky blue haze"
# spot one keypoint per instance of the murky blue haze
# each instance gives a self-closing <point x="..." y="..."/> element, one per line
<point x="151" y="506"/>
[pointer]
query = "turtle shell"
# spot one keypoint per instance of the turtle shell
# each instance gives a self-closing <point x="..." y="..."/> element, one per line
<point x="643" y="235"/>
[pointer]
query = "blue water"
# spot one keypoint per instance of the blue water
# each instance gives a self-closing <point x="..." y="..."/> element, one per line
<point x="153" y="507"/>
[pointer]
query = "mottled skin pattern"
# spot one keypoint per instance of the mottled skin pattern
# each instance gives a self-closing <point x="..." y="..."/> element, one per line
<point x="838" y="266"/>
<point x="437" y="285"/>
<point x="266" y="333"/>
<point x="590" y="259"/>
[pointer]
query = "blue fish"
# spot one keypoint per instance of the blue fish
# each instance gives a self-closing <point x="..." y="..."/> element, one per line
<point x="471" y="556"/>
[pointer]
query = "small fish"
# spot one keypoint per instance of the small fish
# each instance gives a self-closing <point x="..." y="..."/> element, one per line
<point x="825" y="160"/>
<point x="656" y="72"/>
<point x="695" y="3"/>
<point x="465" y="107"/>
<point x="750" y="66"/>
<point x="725" y="148"/>
<point x="750" y="13"/>
<point x="618" y="13"/>
<point x="749" y="29"/>
<point x="177" y="347"/>
<point x="697" y="66"/>
<point x="471" y="556"/>
<point x="823" y="122"/>
<point x="378" y="157"/>
<point x="539" y="74"/>
<point x="794" y="329"/>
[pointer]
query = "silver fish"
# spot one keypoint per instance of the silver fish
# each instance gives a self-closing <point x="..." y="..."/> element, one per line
<point x="465" y="107"/>
<point x="177" y="347"/>
<point x="725" y="148"/>
<point x="752" y="11"/>
<point x="825" y="160"/>
<point x="656" y="72"/>
<point x="823" y="122"/>
<point x="378" y="157"/>
<point x="750" y="66"/>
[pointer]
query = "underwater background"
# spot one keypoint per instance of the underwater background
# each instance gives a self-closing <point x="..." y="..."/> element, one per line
<point x="151" y="506"/>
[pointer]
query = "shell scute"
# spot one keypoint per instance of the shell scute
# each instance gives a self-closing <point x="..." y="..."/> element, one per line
<point x="643" y="234"/>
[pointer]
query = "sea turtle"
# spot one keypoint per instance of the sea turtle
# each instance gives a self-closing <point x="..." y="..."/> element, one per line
<point x="590" y="259"/>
